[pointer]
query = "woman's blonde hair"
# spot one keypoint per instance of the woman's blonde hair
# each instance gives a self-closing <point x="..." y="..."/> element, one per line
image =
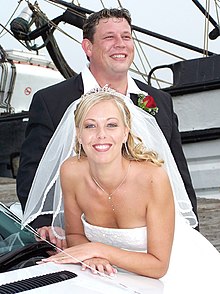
<point x="135" y="150"/>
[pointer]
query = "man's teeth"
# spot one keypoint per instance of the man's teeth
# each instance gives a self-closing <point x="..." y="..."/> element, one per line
<point x="119" y="56"/>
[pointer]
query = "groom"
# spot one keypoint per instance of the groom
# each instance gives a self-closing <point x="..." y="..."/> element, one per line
<point x="108" y="45"/>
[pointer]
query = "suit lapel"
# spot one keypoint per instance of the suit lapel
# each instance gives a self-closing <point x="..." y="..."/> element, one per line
<point x="134" y="98"/>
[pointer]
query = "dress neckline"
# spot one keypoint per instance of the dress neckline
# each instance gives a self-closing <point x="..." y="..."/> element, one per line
<point x="83" y="218"/>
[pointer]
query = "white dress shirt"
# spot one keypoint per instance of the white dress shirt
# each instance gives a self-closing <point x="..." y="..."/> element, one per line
<point x="90" y="82"/>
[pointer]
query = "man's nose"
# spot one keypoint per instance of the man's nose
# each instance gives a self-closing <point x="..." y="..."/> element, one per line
<point x="119" y="42"/>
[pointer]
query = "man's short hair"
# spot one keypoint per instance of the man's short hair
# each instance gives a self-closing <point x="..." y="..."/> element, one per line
<point x="92" y="21"/>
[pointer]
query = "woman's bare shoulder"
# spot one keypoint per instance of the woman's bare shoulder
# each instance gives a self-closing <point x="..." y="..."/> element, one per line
<point x="71" y="160"/>
<point x="151" y="172"/>
<point x="73" y="167"/>
<point x="149" y="167"/>
<point x="158" y="180"/>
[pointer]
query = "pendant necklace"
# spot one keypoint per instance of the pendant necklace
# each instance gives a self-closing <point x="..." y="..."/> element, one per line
<point x="110" y="194"/>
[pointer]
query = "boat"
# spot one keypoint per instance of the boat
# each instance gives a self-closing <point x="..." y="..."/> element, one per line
<point x="195" y="94"/>
<point x="21" y="74"/>
<point x="193" y="83"/>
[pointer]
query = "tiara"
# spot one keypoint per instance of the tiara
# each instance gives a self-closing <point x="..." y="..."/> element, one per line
<point x="106" y="89"/>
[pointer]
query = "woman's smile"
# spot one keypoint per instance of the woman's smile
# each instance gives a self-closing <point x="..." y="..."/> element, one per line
<point x="103" y="132"/>
<point x="102" y="147"/>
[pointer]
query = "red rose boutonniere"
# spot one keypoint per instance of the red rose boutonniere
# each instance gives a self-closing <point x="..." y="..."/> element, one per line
<point x="147" y="103"/>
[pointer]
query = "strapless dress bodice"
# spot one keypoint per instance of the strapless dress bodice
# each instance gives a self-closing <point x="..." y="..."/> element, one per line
<point x="134" y="239"/>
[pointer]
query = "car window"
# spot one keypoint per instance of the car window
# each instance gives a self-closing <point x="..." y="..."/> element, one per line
<point x="12" y="236"/>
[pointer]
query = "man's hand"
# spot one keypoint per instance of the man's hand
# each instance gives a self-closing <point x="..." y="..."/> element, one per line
<point x="47" y="233"/>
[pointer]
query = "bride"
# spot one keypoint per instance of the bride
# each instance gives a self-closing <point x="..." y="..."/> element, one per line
<point x="118" y="191"/>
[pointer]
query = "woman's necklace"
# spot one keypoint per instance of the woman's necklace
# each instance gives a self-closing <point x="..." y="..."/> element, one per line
<point x="110" y="194"/>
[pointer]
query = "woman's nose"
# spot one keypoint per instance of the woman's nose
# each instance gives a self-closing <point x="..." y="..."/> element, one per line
<point x="101" y="134"/>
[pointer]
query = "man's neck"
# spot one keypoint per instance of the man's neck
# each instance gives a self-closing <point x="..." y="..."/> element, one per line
<point x="125" y="86"/>
<point x="119" y="82"/>
<point x="119" y="85"/>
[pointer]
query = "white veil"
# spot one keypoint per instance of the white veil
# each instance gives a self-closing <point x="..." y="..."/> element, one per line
<point x="45" y="196"/>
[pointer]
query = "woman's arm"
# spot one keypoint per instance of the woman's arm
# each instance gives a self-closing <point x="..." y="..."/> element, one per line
<point x="73" y="225"/>
<point x="160" y="226"/>
<point x="72" y="213"/>
<point x="160" y="219"/>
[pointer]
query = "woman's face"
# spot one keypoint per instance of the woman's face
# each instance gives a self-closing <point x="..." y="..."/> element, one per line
<point x="103" y="132"/>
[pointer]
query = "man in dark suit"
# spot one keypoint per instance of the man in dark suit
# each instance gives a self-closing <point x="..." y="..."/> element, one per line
<point x="109" y="47"/>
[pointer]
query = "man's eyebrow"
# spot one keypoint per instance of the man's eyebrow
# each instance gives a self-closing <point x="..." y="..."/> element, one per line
<point x="113" y="32"/>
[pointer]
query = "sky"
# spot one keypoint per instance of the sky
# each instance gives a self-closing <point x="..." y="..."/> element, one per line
<point x="179" y="19"/>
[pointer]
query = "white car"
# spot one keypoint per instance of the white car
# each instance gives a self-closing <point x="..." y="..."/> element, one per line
<point x="19" y="251"/>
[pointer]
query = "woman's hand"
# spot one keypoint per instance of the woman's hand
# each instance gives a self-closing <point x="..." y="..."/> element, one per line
<point x="78" y="253"/>
<point x="99" y="264"/>
<point x="91" y="254"/>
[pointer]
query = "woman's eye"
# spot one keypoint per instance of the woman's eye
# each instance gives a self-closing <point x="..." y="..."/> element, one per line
<point x="112" y="125"/>
<point x="89" y="126"/>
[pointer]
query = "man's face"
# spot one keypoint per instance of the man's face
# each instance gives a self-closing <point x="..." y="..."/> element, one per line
<point x="112" y="50"/>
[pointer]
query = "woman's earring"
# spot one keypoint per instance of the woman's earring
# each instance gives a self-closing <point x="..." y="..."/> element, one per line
<point x="126" y="148"/>
<point x="79" y="151"/>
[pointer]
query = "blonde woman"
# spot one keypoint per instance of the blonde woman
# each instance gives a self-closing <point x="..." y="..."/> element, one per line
<point x="123" y="207"/>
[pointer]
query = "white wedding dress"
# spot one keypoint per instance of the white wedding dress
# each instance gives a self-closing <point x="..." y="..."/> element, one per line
<point x="194" y="264"/>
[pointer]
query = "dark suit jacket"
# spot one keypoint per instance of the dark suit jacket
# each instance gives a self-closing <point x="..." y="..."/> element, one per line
<point x="46" y="110"/>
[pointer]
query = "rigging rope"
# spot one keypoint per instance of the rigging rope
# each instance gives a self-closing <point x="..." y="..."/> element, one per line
<point x="141" y="59"/>
<point x="216" y="10"/>
<point x="10" y="18"/>
<point x="55" y="26"/>
<point x="206" y="30"/>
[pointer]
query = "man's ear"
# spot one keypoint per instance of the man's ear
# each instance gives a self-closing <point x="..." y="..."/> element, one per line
<point x="87" y="47"/>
